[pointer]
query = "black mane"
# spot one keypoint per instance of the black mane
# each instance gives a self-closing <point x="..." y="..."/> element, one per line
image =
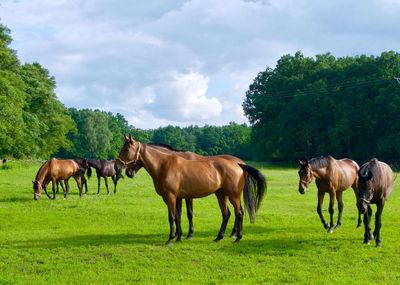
<point x="320" y="162"/>
<point x="167" y="146"/>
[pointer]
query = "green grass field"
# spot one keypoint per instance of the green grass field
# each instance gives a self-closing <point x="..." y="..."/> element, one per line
<point x="119" y="238"/>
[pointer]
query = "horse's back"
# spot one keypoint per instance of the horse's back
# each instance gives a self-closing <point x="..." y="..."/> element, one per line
<point x="62" y="168"/>
<point x="388" y="178"/>
<point x="346" y="173"/>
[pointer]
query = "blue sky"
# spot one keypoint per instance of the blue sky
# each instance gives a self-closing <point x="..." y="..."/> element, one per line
<point x="185" y="62"/>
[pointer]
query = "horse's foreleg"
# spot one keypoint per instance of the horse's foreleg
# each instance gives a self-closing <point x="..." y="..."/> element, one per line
<point x="84" y="183"/>
<point x="339" y="198"/>
<point x="170" y="200"/>
<point x="321" y="195"/>
<point x="223" y="205"/>
<point x="331" y="210"/>
<point x="359" y="213"/>
<point x="106" y="182"/>
<point x="178" y="214"/>
<point x="189" y="212"/>
<point x="115" y="181"/>
<point x="378" y="223"/>
<point x="98" y="184"/>
<point x="367" y="219"/>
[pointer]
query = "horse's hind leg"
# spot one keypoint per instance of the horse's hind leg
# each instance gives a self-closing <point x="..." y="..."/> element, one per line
<point x="238" y="216"/>
<point x="223" y="205"/>
<point x="339" y="198"/>
<point x="66" y="188"/>
<point x="54" y="186"/>
<point x="189" y="212"/>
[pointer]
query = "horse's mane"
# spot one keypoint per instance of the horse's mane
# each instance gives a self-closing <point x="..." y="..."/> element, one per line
<point x="167" y="146"/>
<point x="373" y="167"/>
<point x="320" y="162"/>
<point x="40" y="169"/>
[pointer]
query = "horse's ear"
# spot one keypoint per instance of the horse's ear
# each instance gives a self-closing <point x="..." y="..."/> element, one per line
<point x="126" y="138"/>
<point x="33" y="182"/>
<point x="300" y="161"/>
<point x="130" y="138"/>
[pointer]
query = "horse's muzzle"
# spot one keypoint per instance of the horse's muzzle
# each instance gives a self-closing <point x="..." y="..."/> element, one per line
<point x="302" y="191"/>
<point x="36" y="196"/>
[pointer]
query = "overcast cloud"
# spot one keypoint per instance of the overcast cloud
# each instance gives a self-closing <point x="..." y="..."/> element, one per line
<point x="185" y="62"/>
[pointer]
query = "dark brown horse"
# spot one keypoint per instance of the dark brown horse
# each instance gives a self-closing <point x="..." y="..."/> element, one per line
<point x="104" y="168"/>
<point x="133" y="168"/>
<point x="375" y="183"/>
<point x="54" y="170"/>
<point x="332" y="176"/>
<point x="175" y="177"/>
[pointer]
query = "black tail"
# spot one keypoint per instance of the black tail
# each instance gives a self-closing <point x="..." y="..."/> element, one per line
<point x="254" y="189"/>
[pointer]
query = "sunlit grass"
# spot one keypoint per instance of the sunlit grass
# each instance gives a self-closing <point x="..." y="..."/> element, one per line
<point x="119" y="238"/>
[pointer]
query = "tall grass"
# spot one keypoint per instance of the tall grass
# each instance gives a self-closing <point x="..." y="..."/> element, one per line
<point x="119" y="238"/>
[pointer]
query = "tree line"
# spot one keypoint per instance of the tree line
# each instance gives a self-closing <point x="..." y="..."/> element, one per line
<point x="302" y="108"/>
<point x="312" y="106"/>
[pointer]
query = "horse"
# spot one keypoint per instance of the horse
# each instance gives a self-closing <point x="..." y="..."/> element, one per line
<point x="55" y="170"/>
<point x="175" y="177"/>
<point x="133" y="168"/>
<point x="83" y="163"/>
<point x="332" y="176"/>
<point x="104" y="168"/>
<point x="375" y="183"/>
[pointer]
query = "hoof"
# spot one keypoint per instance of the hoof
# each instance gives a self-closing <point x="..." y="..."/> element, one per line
<point x="190" y="237"/>
<point x="237" y="240"/>
<point x="330" y="230"/>
<point x="169" y="242"/>
<point x="378" y="245"/>
<point x="326" y="226"/>
<point x="217" y="239"/>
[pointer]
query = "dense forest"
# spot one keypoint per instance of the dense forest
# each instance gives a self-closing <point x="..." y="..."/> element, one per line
<point x="304" y="107"/>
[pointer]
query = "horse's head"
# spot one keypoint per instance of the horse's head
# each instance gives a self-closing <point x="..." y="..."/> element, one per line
<point x="37" y="190"/>
<point x="365" y="192"/>
<point x="128" y="157"/>
<point x="305" y="175"/>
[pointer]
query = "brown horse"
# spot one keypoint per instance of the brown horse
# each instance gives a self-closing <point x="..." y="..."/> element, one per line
<point x="375" y="183"/>
<point x="332" y="176"/>
<point x="133" y="168"/>
<point x="55" y="170"/>
<point x="175" y="177"/>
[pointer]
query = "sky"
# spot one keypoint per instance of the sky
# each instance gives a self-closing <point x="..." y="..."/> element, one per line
<point x="181" y="63"/>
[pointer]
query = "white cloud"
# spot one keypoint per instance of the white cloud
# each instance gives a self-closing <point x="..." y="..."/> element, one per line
<point x="185" y="62"/>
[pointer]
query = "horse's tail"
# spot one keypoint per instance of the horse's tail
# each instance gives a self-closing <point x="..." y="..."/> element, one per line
<point x="89" y="172"/>
<point x="254" y="189"/>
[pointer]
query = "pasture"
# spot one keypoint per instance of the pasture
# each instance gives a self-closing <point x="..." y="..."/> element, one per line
<point x="119" y="238"/>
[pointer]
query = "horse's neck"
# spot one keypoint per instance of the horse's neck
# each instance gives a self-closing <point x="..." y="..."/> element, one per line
<point x="95" y="163"/>
<point x="42" y="173"/>
<point x="152" y="159"/>
<point x="319" y="173"/>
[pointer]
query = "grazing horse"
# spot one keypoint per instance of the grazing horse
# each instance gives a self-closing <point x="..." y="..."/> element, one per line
<point x="175" y="177"/>
<point x="133" y="168"/>
<point x="375" y="183"/>
<point x="332" y="176"/>
<point x="55" y="170"/>
<point x="104" y="168"/>
<point x="83" y="163"/>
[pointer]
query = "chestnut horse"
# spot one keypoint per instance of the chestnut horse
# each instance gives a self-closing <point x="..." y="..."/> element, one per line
<point x="375" y="183"/>
<point x="54" y="170"/>
<point x="133" y="168"/>
<point x="332" y="176"/>
<point x="175" y="177"/>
